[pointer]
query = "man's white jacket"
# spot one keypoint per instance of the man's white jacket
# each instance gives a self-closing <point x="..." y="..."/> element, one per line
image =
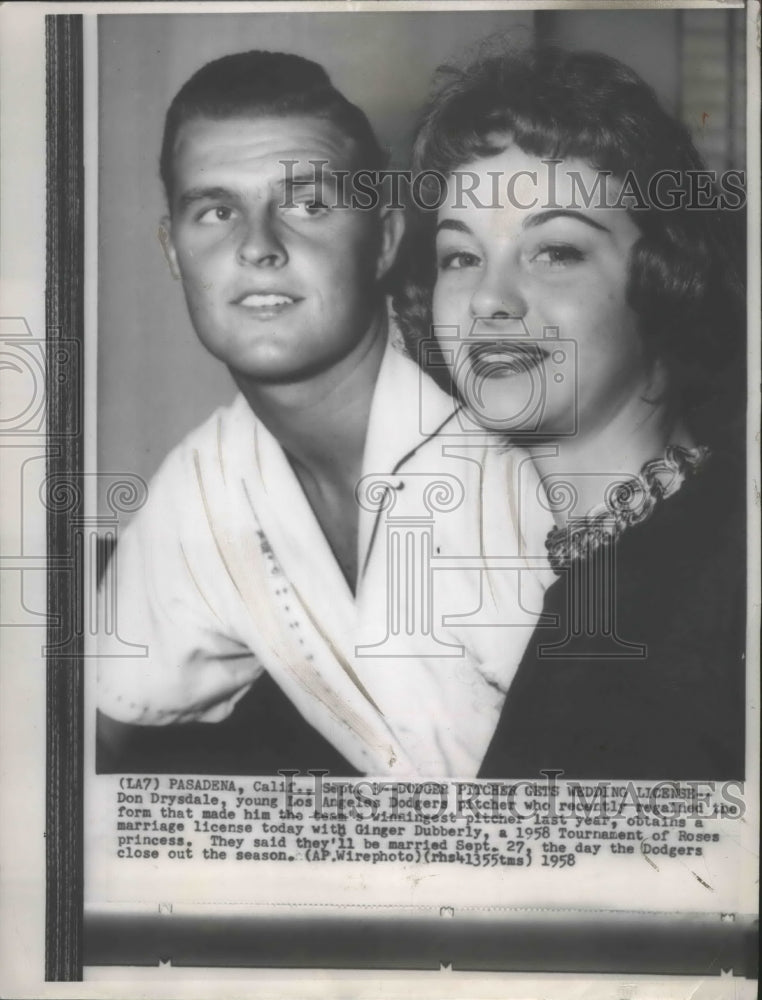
<point x="225" y="573"/>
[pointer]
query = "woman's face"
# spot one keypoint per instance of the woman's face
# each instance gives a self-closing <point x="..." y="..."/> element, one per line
<point x="522" y="261"/>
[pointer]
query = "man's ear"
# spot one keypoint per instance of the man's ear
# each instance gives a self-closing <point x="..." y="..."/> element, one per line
<point x="392" y="228"/>
<point x="168" y="247"/>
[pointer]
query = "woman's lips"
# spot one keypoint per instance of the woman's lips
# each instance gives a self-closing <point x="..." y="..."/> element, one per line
<point x="496" y="358"/>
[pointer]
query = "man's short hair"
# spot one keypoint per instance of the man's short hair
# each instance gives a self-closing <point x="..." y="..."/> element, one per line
<point x="259" y="83"/>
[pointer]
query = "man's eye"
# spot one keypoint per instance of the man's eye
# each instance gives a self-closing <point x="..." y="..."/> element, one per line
<point x="558" y="255"/>
<point x="458" y="260"/>
<point x="214" y="216"/>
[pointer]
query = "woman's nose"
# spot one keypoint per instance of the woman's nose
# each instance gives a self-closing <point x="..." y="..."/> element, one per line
<point x="498" y="296"/>
<point x="260" y="245"/>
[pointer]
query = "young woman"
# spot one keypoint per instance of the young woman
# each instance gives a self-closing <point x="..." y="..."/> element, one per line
<point x="578" y="271"/>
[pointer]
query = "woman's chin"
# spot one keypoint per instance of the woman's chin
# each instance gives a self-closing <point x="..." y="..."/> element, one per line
<point x="506" y="405"/>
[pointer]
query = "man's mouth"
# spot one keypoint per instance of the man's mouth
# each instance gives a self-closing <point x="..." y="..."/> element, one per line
<point x="496" y="358"/>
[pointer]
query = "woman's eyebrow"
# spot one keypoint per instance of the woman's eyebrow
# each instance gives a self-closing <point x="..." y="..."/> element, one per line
<point x="455" y="224"/>
<point x="561" y="213"/>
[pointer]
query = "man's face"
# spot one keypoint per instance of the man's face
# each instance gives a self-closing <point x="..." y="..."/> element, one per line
<point x="280" y="284"/>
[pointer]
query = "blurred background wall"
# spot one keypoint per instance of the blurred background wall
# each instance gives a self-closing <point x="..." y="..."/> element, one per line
<point x="155" y="382"/>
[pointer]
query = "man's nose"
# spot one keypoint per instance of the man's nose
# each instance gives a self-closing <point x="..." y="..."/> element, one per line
<point x="260" y="244"/>
<point x="498" y="296"/>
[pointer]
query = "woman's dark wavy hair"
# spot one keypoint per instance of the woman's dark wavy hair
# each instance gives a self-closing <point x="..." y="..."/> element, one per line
<point x="685" y="281"/>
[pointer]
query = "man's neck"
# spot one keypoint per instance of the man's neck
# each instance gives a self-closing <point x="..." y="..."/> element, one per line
<point x="321" y="422"/>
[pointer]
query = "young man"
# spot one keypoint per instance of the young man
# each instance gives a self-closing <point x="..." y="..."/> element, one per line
<point x="258" y="573"/>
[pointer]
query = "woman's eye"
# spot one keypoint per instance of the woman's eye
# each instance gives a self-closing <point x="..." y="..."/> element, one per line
<point x="216" y="215"/>
<point x="558" y="255"/>
<point x="458" y="260"/>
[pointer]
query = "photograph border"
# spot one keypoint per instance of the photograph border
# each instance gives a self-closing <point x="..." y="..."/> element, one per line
<point x="65" y="309"/>
<point x="664" y="947"/>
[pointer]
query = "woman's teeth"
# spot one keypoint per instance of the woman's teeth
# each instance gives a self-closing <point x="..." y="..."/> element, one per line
<point x="492" y="358"/>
